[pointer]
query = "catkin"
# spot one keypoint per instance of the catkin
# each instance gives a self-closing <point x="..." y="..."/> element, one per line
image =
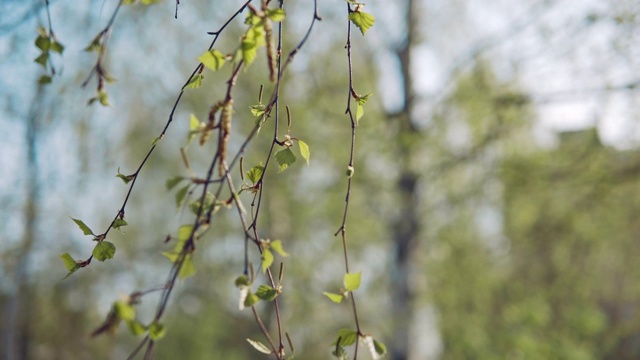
<point x="225" y="131"/>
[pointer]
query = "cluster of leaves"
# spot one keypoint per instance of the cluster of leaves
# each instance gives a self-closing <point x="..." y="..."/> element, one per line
<point x="47" y="43"/>
<point x="124" y="310"/>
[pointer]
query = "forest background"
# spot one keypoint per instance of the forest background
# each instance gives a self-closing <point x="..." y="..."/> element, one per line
<point x="494" y="203"/>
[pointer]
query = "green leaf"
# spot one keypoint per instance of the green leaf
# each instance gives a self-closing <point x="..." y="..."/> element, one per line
<point x="43" y="59"/>
<point x="352" y="281"/>
<point x="379" y="347"/>
<point x="181" y="194"/>
<point x="276" y="15"/>
<point x="95" y="44"/>
<point x="259" y="346"/>
<point x="255" y="173"/>
<point x="155" y="141"/>
<point x="304" y="150"/>
<point x="267" y="259"/>
<point x="285" y="158"/>
<point x="194" y="128"/>
<point x="249" y="51"/>
<point x="172" y="182"/>
<point x="347" y="337"/>
<point x="69" y="263"/>
<point x="124" y="311"/>
<point x="43" y="43"/>
<point x="184" y="233"/>
<point x="362" y="20"/>
<point x="212" y="59"/>
<point x="156" y="331"/>
<point x="171" y="255"/>
<point x="85" y="229"/>
<point x="360" y="101"/>
<point x="251" y="299"/>
<point x="258" y="110"/>
<point x="276" y="245"/>
<point x="104" y="250"/>
<point x="150" y="2"/>
<point x="195" y="82"/>
<point x="125" y="178"/>
<point x="187" y="268"/>
<point x="242" y="280"/>
<point x="119" y="223"/>
<point x="57" y="47"/>
<point x="266" y="293"/>
<point x="136" y="328"/>
<point x="44" y="79"/>
<point x="336" y="298"/>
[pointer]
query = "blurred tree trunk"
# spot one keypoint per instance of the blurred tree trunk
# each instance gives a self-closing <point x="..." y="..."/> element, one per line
<point x="18" y="309"/>
<point x="406" y="226"/>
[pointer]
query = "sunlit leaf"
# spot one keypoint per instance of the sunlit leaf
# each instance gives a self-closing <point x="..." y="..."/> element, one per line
<point x="284" y="158"/>
<point x="352" y="281"/>
<point x="124" y="310"/>
<point x="57" y="47"/>
<point x="187" y="269"/>
<point x="125" y="178"/>
<point x="336" y="298"/>
<point x="43" y="43"/>
<point x="184" y="232"/>
<point x="259" y="346"/>
<point x="276" y="15"/>
<point x="104" y="250"/>
<point x="212" y="59"/>
<point x="362" y="20"/>
<point x="136" y="328"/>
<point x="118" y="223"/>
<point x="267" y="259"/>
<point x="195" y="82"/>
<point x="42" y="59"/>
<point x="172" y="182"/>
<point x="251" y="299"/>
<point x="276" y="245"/>
<point x="69" y="263"/>
<point x="242" y="280"/>
<point x="304" y="150"/>
<point x="44" y="79"/>
<point x="249" y="51"/>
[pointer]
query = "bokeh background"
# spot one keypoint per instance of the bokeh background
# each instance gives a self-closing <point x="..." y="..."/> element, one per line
<point x="496" y="199"/>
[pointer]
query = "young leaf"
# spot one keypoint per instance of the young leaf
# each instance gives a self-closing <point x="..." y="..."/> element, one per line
<point x="379" y="347"/>
<point x="103" y="98"/>
<point x="104" y="250"/>
<point x="57" y="47"/>
<point x="266" y="293"/>
<point x="249" y="51"/>
<point x="255" y="173"/>
<point x="360" y="101"/>
<point x="119" y="223"/>
<point x="156" y="331"/>
<point x="347" y="337"/>
<point x="242" y="280"/>
<point x="212" y="59"/>
<point x="85" y="229"/>
<point x="42" y="59"/>
<point x="136" y="328"/>
<point x="276" y="245"/>
<point x="267" y="259"/>
<point x="172" y="182"/>
<point x="362" y="20"/>
<point x="187" y="269"/>
<point x="181" y="194"/>
<point x="44" y="79"/>
<point x="125" y="178"/>
<point x="259" y="346"/>
<point x="258" y="110"/>
<point x="352" y="281"/>
<point x="285" y="158"/>
<point x="124" y="310"/>
<point x="69" y="263"/>
<point x="336" y="298"/>
<point x="304" y="150"/>
<point x="43" y="43"/>
<point x="251" y="299"/>
<point x="184" y="233"/>
<point x="195" y="82"/>
<point x="276" y="15"/>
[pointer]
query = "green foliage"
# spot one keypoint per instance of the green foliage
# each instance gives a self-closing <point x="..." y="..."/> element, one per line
<point x="336" y="298"/>
<point x="362" y="20"/>
<point x="125" y="178"/>
<point x="118" y="223"/>
<point x="352" y="281"/>
<point x="285" y="158"/>
<point x="102" y="97"/>
<point x="104" y="250"/>
<point x="255" y="173"/>
<point x="304" y="150"/>
<point x="157" y="331"/>
<point x="85" y="229"/>
<point x="195" y="82"/>
<point x="266" y="259"/>
<point x="360" y="101"/>
<point x="212" y="59"/>
<point x="266" y="293"/>
<point x="346" y="337"/>
<point x="69" y="263"/>
<point x="181" y="194"/>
